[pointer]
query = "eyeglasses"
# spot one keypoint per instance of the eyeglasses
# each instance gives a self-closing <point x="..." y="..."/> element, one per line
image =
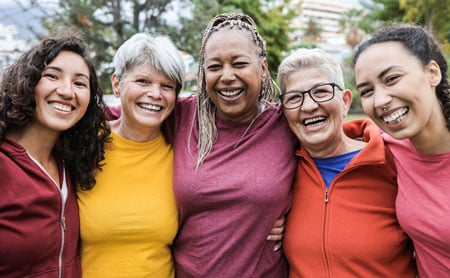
<point x="319" y="93"/>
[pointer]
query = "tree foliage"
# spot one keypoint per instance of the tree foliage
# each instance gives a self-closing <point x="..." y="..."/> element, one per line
<point x="431" y="13"/>
<point x="107" y="23"/>
<point x="272" y="18"/>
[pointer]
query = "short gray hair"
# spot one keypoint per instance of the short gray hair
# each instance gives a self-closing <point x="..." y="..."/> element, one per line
<point x="315" y="58"/>
<point x="157" y="51"/>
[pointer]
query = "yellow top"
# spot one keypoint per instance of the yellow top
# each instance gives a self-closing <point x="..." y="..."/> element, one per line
<point x="129" y="219"/>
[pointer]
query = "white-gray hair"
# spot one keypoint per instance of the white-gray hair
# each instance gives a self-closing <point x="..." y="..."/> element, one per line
<point x="310" y="58"/>
<point x="157" y="51"/>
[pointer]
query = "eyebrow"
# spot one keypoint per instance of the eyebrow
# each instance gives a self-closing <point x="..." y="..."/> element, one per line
<point x="380" y="75"/>
<point x="60" y="70"/>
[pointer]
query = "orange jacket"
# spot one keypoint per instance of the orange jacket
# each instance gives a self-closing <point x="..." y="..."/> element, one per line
<point x="350" y="229"/>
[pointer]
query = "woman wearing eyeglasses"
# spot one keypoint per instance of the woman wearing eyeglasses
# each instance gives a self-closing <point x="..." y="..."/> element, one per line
<point x="342" y="222"/>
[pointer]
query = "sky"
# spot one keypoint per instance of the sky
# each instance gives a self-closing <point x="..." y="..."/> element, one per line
<point x="12" y="14"/>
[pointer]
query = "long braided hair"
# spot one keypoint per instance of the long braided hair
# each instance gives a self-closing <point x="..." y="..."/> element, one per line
<point x="205" y="109"/>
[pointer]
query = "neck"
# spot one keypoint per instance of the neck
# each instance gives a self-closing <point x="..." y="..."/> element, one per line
<point x="38" y="143"/>
<point x="135" y="134"/>
<point x="342" y="145"/>
<point x="249" y="117"/>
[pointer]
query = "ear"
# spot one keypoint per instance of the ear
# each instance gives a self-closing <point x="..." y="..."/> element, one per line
<point x="347" y="98"/>
<point x="434" y="73"/>
<point x="264" y="69"/>
<point x="115" y="85"/>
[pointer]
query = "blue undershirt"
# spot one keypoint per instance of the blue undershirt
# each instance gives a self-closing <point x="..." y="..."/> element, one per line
<point x="329" y="167"/>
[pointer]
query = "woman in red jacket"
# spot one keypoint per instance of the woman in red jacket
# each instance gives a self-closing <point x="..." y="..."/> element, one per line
<point x="342" y="222"/>
<point x="52" y="132"/>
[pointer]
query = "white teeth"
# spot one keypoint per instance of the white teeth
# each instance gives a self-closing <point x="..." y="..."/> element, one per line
<point x="232" y="93"/>
<point x="396" y="117"/>
<point x="61" y="107"/>
<point x="150" y="107"/>
<point x="313" y="120"/>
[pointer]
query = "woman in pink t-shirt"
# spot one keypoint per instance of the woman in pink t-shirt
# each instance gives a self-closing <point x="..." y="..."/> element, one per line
<point x="401" y="76"/>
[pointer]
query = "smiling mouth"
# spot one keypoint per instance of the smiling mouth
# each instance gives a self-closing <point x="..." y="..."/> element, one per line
<point x="151" y="107"/>
<point x="396" y="116"/>
<point x="61" y="107"/>
<point x="314" y="121"/>
<point x="231" y="93"/>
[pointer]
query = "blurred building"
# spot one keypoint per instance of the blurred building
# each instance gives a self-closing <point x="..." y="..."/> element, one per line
<point x="317" y="23"/>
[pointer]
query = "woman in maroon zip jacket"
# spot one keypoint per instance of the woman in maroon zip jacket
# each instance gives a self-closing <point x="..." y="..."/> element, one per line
<point x="52" y="132"/>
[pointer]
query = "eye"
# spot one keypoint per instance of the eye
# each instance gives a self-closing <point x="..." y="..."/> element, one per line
<point x="214" y="67"/>
<point x="168" y="87"/>
<point x="391" y="79"/>
<point x="294" y="98"/>
<point x="240" y="64"/>
<point x="81" y="84"/>
<point x="50" y="75"/>
<point x="142" y="81"/>
<point x="321" y="92"/>
<point x="365" y="92"/>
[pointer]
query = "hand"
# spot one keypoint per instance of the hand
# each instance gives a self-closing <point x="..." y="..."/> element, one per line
<point x="277" y="232"/>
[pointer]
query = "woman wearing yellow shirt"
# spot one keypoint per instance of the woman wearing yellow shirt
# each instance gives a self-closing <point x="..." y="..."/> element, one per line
<point x="129" y="219"/>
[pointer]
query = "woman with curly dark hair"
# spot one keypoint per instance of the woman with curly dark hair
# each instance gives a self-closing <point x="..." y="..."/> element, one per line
<point x="52" y="135"/>
<point x="401" y="76"/>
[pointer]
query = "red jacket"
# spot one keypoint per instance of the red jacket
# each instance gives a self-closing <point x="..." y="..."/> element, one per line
<point x="349" y="230"/>
<point x="39" y="238"/>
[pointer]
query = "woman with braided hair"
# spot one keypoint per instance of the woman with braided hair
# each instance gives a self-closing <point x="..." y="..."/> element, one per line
<point x="401" y="75"/>
<point x="233" y="159"/>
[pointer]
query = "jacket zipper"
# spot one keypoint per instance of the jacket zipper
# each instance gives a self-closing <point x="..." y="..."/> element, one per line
<point x="63" y="205"/>
<point x="327" y="263"/>
<point x="63" y="227"/>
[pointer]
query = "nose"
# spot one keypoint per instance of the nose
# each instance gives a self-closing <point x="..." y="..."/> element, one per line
<point x="381" y="98"/>
<point x="308" y="103"/>
<point x="154" y="91"/>
<point x="227" y="74"/>
<point x="65" y="89"/>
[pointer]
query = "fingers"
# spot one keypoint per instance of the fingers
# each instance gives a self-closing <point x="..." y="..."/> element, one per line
<point x="277" y="247"/>
<point x="273" y="237"/>
<point x="280" y="222"/>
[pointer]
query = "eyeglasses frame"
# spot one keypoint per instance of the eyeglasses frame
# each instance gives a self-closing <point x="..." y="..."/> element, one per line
<point x="333" y="85"/>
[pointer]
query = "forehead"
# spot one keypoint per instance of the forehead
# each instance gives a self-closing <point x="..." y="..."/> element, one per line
<point x="304" y="79"/>
<point x="69" y="59"/>
<point x="147" y="71"/>
<point x="231" y="40"/>
<point x="381" y="55"/>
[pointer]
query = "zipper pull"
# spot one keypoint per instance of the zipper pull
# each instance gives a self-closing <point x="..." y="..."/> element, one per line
<point x="63" y="223"/>
<point x="326" y="196"/>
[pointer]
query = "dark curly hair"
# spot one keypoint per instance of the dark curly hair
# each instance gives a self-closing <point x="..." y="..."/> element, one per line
<point x="420" y="43"/>
<point x="82" y="146"/>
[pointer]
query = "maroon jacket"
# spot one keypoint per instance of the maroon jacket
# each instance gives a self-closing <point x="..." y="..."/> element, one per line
<point x="38" y="237"/>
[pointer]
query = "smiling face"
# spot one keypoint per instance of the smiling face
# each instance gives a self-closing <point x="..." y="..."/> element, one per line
<point x="318" y="126"/>
<point x="397" y="91"/>
<point x="234" y="73"/>
<point x="147" y="98"/>
<point x="62" y="94"/>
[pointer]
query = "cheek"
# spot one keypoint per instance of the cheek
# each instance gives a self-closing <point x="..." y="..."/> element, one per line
<point x="171" y="100"/>
<point x="292" y="117"/>
<point x="85" y="100"/>
<point x="210" y="79"/>
<point x="367" y="106"/>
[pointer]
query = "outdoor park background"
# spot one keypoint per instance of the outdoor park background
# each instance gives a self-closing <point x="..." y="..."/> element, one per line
<point x="336" y="26"/>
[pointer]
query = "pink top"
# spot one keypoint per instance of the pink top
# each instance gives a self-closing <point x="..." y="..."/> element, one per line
<point x="423" y="205"/>
<point x="228" y="206"/>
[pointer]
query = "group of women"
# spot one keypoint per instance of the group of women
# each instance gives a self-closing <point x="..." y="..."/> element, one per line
<point x="192" y="187"/>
